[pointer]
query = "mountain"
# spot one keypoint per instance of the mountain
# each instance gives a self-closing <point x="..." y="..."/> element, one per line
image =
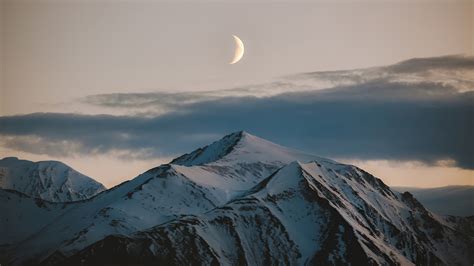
<point x="449" y="200"/>
<point x="48" y="180"/>
<point x="310" y="213"/>
<point x="245" y="200"/>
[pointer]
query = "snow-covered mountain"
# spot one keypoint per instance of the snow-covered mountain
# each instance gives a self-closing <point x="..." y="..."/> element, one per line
<point x="48" y="180"/>
<point x="312" y="213"/>
<point x="244" y="200"/>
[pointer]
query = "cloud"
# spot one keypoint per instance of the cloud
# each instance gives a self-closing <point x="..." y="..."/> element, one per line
<point x="447" y="73"/>
<point x="142" y="103"/>
<point x="380" y="119"/>
<point x="157" y="103"/>
<point x="452" y="62"/>
<point x="419" y="109"/>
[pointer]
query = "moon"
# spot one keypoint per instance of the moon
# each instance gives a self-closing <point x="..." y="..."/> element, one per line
<point x="239" y="50"/>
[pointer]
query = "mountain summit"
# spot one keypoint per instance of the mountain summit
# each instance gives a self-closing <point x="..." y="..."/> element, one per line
<point x="241" y="200"/>
<point x="242" y="147"/>
<point x="48" y="180"/>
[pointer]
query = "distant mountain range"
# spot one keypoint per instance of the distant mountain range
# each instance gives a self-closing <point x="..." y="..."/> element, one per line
<point x="239" y="200"/>
<point x="449" y="200"/>
<point x="48" y="180"/>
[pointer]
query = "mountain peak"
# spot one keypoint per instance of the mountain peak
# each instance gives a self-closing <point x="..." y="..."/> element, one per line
<point x="212" y="152"/>
<point x="243" y="147"/>
<point x="48" y="180"/>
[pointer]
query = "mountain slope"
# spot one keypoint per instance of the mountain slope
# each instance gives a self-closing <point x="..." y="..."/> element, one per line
<point x="152" y="198"/>
<point x="450" y="200"/>
<point x="309" y="213"/>
<point x="48" y="180"/>
<point x="23" y="215"/>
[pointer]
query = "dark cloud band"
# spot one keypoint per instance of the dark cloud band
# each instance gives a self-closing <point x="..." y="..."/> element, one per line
<point x="419" y="109"/>
<point x="374" y="120"/>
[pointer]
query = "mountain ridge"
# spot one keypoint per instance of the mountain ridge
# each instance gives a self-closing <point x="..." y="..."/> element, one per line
<point x="248" y="202"/>
<point x="266" y="203"/>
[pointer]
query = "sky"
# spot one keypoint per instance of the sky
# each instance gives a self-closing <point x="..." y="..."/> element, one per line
<point x="114" y="88"/>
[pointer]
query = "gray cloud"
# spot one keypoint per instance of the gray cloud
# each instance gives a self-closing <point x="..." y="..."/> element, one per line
<point x="447" y="74"/>
<point x="453" y="62"/>
<point x="455" y="70"/>
<point x="157" y="103"/>
<point x="379" y="119"/>
<point x="127" y="100"/>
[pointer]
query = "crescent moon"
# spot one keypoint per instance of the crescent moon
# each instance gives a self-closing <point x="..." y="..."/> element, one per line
<point x="239" y="50"/>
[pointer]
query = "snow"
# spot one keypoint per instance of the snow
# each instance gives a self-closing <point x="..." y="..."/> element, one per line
<point x="242" y="147"/>
<point x="304" y="221"/>
<point x="22" y="216"/>
<point x="48" y="180"/>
